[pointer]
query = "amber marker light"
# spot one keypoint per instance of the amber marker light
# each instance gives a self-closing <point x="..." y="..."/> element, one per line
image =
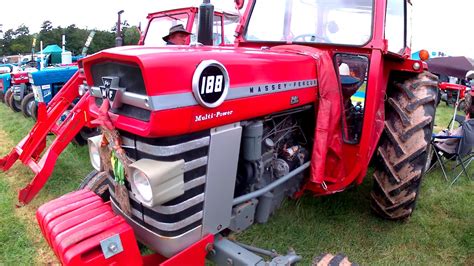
<point x="424" y="55"/>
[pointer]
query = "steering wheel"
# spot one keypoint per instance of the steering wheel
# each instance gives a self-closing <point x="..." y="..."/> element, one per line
<point x="32" y="63"/>
<point x="310" y="37"/>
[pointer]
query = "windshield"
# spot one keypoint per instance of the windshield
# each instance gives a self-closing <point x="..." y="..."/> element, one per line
<point x="160" y="26"/>
<point x="220" y="38"/>
<point x="347" y="22"/>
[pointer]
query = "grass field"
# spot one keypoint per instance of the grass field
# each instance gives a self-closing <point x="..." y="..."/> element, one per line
<point x="440" y="232"/>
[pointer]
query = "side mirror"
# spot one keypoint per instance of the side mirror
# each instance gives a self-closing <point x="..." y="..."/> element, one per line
<point x="239" y="4"/>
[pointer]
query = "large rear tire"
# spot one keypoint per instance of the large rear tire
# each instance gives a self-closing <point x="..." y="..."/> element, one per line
<point x="403" y="150"/>
<point x="97" y="183"/>
<point x="2" y="96"/>
<point x="27" y="105"/>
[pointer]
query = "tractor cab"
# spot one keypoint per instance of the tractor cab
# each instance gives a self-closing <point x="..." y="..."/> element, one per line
<point x="363" y="40"/>
<point x="160" y="22"/>
<point x="325" y="23"/>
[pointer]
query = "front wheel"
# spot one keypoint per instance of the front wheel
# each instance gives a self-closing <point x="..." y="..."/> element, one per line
<point x="14" y="105"/>
<point x="7" y="97"/>
<point x="97" y="183"/>
<point x="34" y="111"/>
<point x="27" y="105"/>
<point x="403" y="150"/>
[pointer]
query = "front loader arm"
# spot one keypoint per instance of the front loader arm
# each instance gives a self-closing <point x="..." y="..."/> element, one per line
<point x="30" y="148"/>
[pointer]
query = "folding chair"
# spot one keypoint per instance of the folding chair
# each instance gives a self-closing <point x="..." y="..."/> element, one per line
<point x="463" y="154"/>
<point x="459" y="119"/>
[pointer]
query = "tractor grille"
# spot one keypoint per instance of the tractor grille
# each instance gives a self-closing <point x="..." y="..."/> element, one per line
<point x="130" y="78"/>
<point x="184" y="213"/>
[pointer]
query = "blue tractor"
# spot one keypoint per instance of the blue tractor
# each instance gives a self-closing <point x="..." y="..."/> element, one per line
<point x="45" y="83"/>
<point x="5" y="83"/>
<point x="5" y="79"/>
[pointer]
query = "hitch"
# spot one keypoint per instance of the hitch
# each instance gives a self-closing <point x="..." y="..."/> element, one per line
<point x="30" y="148"/>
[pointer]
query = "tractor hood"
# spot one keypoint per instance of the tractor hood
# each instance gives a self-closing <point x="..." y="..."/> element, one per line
<point x="170" y="69"/>
<point x="203" y="86"/>
<point x="52" y="75"/>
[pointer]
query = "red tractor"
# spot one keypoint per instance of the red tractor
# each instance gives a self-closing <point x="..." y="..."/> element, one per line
<point x="21" y="86"/>
<point x="200" y="141"/>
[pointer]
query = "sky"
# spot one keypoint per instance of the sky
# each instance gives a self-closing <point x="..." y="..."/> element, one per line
<point x="438" y="25"/>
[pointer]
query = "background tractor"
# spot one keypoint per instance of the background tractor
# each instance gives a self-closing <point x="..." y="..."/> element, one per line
<point x="20" y="87"/>
<point x="45" y="85"/>
<point x="5" y="83"/>
<point x="201" y="141"/>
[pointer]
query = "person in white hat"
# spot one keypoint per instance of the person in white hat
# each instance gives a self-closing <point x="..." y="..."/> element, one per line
<point x="177" y="35"/>
<point x="349" y="83"/>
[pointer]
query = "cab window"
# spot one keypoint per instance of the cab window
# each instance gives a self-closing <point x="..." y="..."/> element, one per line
<point x="395" y="26"/>
<point x="352" y="71"/>
<point x="160" y="26"/>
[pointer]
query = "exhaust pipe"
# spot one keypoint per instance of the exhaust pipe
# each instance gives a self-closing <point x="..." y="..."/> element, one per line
<point x="206" y="20"/>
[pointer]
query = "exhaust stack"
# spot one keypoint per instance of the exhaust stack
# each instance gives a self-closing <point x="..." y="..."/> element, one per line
<point x="206" y="19"/>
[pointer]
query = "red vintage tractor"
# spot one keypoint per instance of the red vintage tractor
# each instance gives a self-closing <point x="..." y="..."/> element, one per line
<point x="199" y="141"/>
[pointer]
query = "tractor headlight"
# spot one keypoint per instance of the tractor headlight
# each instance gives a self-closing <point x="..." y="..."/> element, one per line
<point x="94" y="151"/>
<point x="83" y="88"/>
<point x="142" y="184"/>
<point x="156" y="182"/>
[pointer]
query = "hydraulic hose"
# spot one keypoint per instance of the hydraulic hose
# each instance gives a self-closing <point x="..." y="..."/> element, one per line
<point x="276" y="183"/>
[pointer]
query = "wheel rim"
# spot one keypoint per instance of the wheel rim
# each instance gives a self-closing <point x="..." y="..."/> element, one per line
<point x="29" y="107"/>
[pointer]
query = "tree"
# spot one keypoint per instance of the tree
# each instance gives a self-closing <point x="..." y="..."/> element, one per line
<point x="21" y="40"/>
<point x="46" y="26"/>
<point x="2" y="47"/>
<point x="22" y="30"/>
<point x="75" y="39"/>
<point x="123" y="25"/>
<point x="131" y="35"/>
<point x="102" y="40"/>
<point x="18" y="48"/>
<point x="7" y="41"/>
<point x="50" y="35"/>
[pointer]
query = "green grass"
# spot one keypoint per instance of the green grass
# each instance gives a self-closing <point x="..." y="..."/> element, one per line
<point x="14" y="243"/>
<point x="440" y="232"/>
<point x="20" y="238"/>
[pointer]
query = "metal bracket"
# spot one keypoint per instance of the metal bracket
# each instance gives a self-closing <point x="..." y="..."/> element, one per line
<point x="111" y="246"/>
